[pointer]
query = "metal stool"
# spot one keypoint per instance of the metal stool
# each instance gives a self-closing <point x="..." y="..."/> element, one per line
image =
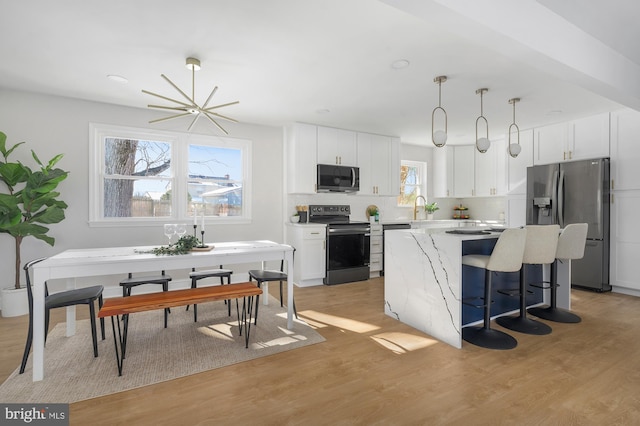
<point x="571" y="243"/>
<point x="505" y="257"/>
<point x="540" y="249"/>
<point x="199" y="275"/>
<point x="130" y="282"/>
<point x="265" y="275"/>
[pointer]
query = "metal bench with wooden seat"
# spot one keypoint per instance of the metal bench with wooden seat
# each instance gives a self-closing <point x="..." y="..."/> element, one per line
<point x="120" y="306"/>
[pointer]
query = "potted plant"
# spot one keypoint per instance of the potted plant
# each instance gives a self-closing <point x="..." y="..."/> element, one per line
<point x="28" y="202"/>
<point x="431" y="209"/>
<point x="372" y="213"/>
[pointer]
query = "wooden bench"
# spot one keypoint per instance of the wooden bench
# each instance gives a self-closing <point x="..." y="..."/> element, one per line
<point x="118" y="307"/>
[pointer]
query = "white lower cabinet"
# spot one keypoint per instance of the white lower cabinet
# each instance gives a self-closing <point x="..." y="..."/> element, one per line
<point x="310" y="257"/>
<point x="625" y="242"/>
<point x="375" y="260"/>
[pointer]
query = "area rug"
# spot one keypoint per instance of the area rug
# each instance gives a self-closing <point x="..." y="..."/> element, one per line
<point x="154" y="354"/>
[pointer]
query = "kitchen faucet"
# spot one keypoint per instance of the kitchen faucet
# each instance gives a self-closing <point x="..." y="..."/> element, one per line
<point x="415" y="205"/>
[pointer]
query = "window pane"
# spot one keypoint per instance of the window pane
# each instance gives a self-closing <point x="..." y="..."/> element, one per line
<point x="132" y="157"/>
<point x="215" y="181"/>
<point x="137" y="198"/>
<point x="411" y="182"/>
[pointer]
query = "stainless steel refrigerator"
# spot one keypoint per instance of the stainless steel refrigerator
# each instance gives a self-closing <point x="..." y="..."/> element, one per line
<point x="575" y="192"/>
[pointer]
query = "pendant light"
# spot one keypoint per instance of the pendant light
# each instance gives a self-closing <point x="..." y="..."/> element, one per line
<point x="439" y="137"/>
<point x="191" y="108"/>
<point x="514" y="148"/>
<point x="482" y="144"/>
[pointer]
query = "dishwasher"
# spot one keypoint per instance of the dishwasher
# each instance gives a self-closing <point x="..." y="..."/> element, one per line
<point x="390" y="227"/>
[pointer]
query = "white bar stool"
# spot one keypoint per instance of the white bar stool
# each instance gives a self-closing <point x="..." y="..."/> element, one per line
<point x="540" y="249"/>
<point x="505" y="257"/>
<point x="571" y="243"/>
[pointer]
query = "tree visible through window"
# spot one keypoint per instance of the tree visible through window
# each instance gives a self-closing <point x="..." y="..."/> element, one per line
<point x="139" y="174"/>
<point x="412" y="181"/>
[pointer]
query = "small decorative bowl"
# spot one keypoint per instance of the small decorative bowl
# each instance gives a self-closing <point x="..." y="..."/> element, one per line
<point x="294" y="219"/>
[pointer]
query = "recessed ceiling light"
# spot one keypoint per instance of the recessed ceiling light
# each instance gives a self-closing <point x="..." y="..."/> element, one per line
<point x="399" y="64"/>
<point x="554" y="112"/>
<point x="117" y="78"/>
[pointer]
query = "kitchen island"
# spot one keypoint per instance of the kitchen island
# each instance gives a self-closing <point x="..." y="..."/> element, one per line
<point x="425" y="282"/>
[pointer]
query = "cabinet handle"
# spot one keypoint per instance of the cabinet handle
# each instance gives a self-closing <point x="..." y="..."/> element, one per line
<point x="315" y="233"/>
<point x="564" y="155"/>
<point x="613" y="186"/>
<point x="612" y="198"/>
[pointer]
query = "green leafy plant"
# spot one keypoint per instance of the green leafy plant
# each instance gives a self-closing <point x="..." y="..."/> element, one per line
<point x="183" y="246"/>
<point x="372" y="210"/>
<point x="31" y="201"/>
<point x="431" y="208"/>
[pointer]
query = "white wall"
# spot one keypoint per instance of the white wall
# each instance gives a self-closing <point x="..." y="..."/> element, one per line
<point x="51" y="125"/>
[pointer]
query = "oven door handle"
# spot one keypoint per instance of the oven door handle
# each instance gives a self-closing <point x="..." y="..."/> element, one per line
<point x="352" y="231"/>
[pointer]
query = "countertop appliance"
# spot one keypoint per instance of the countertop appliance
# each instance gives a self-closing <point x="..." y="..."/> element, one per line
<point x="390" y="227"/>
<point x="347" y="243"/>
<point x="575" y="192"/>
<point x="335" y="178"/>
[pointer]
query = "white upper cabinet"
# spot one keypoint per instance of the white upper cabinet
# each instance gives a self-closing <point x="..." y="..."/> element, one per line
<point x="517" y="167"/>
<point x="575" y="140"/>
<point x="301" y="158"/>
<point x="625" y="149"/>
<point x="490" y="170"/>
<point x="590" y="137"/>
<point x="336" y="146"/>
<point x="551" y="144"/>
<point x="379" y="163"/>
<point x="443" y="172"/>
<point x="463" y="170"/>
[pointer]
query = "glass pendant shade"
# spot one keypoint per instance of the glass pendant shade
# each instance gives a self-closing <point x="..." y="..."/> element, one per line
<point x="439" y="137"/>
<point x="514" y="148"/>
<point x="482" y="143"/>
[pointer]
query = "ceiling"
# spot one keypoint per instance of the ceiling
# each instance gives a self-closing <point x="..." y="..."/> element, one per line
<point x="330" y="61"/>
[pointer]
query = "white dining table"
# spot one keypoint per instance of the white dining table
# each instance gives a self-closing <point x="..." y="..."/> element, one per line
<point x="76" y="263"/>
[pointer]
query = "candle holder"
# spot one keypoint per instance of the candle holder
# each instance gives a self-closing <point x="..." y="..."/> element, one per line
<point x="194" y="231"/>
<point x="202" y="244"/>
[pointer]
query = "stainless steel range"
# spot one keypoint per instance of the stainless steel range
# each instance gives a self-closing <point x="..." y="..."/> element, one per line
<point x="347" y="243"/>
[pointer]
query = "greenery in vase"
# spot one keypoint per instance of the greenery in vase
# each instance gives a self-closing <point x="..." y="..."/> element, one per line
<point x="372" y="211"/>
<point x="31" y="201"/>
<point x="431" y="208"/>
<point x="183" y="246"/>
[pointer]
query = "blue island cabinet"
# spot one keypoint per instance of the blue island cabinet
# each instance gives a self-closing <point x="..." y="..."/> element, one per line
<point x="425" y="282"/>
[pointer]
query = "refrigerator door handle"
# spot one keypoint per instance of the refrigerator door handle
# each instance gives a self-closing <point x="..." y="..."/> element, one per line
<point x="561" y="199"/>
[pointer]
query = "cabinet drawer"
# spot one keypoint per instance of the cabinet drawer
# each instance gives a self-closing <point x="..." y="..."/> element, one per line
<point x="314" y="234"/>
<point x="375" y="262"/>
<point x="376" y="244"/>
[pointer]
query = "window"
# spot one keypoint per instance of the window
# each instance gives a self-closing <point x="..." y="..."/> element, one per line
<point x="140" y="175"/>
<point x="413" y="182"/>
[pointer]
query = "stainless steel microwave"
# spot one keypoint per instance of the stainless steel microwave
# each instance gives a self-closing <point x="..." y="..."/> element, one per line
<point x="334" y="178"/>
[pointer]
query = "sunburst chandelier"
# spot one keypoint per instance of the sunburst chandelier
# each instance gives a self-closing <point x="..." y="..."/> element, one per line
<point x="191" y="107"/>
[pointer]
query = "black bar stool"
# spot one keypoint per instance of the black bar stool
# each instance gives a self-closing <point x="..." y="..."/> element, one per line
<point x="540" y="249"/>
<point x="571" y="243"/>
<point x="505" y="257"/>
<point x="266" y="275"/>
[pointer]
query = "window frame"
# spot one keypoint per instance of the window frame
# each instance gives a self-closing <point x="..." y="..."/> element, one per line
<point x="179" y="142"/>
<point x="422" y="166"/>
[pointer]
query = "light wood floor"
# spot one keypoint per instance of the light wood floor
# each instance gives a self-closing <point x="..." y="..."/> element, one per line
<point x="373" y="370"/>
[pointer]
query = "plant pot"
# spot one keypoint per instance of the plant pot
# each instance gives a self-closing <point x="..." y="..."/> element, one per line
<point x="429" y="216"/>
<point x="14" y="302"/>
<point x="294" y="219"/>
